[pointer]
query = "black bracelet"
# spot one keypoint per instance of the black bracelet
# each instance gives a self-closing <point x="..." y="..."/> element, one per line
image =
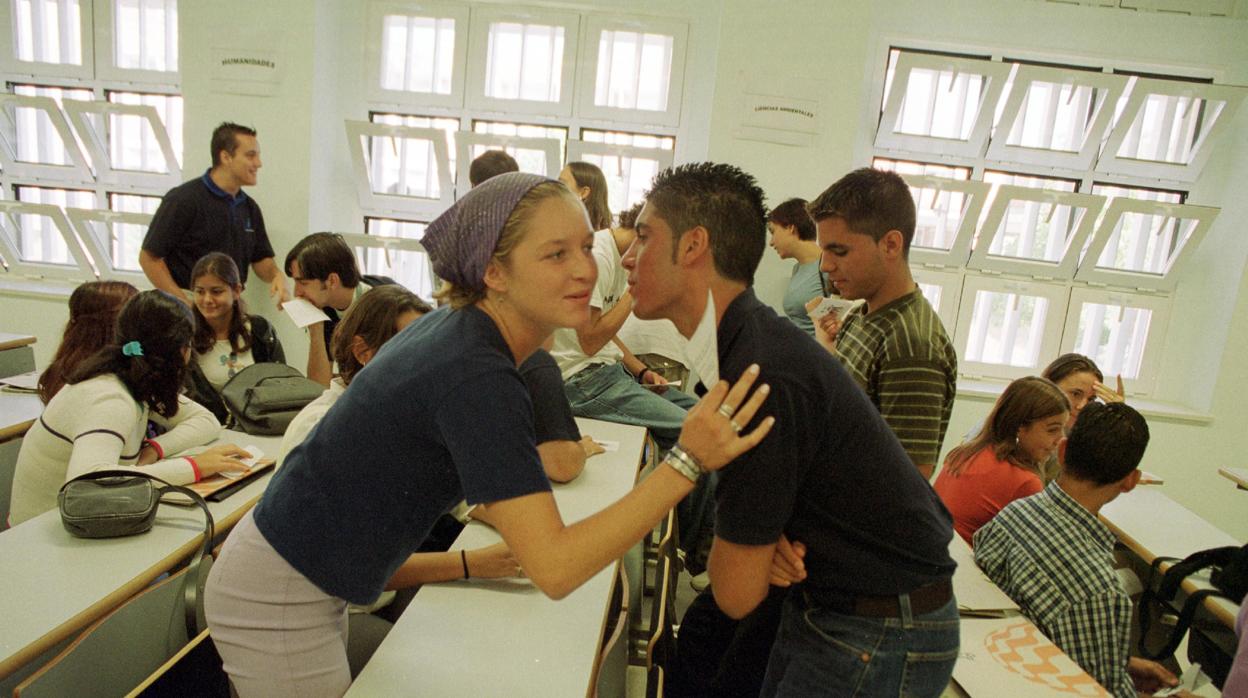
<point x="641" y="377"/>
<point x="463" y="557"/>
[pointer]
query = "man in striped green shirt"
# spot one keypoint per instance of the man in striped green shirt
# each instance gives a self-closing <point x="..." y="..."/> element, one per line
<point x="894" y="344"/>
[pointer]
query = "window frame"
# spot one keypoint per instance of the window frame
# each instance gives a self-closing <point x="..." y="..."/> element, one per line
<point x="9" y="63"/>
<point x="464" y="140"/>
<point x="387" y="243"/>
<point x="1064" y="268"/>
<point x="388" y="205"/>
<point x="959" y="252"/>
<point x="1146" y="382"/>
<point x="378" y="95"/>
<point x="578" y="149"/>
<point x="950" y="283"/>
<point x="81" y="219"/>
<point x="478" y="50"/>
<point x="1058" y="296"/>
<point x="995" y="73"/>
<point x="106" y="69"/>
<point x="1088" y="272"/>
<point x="100" y="148"/>
<point x="82" y="270"/>
<point x="78" y="171"/>
<point x="587" y="67"/>
<point x="999" y="148"/>
<point x="1110" y="164"/>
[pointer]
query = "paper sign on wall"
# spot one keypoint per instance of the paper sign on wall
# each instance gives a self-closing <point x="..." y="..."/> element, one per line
<point x="246" y="71"/>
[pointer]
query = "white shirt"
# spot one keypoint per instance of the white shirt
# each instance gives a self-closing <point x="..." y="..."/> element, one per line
<point x="97" y="425"/>
<point x="612" y="283"/>
<point x="308" y="417"/>
<point x="220" y="363"/>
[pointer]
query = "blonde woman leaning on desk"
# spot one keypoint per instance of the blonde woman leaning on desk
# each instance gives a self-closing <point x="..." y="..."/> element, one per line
<point x="442" y="414"/>
<point x="99" y="420"/>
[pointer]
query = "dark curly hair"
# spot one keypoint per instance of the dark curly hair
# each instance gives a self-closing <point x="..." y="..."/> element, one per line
<point x="1107" y="443"/>
<point x="93" y="309"/>
<point x="724" y="200"/>
<point x="162" y="326"/>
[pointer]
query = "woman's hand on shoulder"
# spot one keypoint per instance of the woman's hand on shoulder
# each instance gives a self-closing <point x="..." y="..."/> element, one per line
<point x="712" y="432"/>
<point x="493" y="562"/>
<point x="221" y="458"/>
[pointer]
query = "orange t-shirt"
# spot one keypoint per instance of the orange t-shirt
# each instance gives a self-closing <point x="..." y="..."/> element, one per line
<point x="983" y="488"/>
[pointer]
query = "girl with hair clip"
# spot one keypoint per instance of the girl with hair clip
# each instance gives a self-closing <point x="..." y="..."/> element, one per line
<point x="590" y="186"/>
<point x="440" y="415"/>
<point x="98" y="421"/>
<point x="227" y="339"/>
<point x="1023" y="430"/>
<point x="93" y="309"/>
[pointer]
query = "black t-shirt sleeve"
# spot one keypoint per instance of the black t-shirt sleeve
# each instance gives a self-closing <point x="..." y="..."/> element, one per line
<point x="172" y="218"/>
<point x="552" y="415"/>
<point x="261" y="248"/>
<point x="757" y="492"/>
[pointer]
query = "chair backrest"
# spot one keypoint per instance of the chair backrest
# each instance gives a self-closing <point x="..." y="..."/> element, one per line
<point x="660" y="646"/>
<point x="119" y="651"/>
<point x="612" y="664"/>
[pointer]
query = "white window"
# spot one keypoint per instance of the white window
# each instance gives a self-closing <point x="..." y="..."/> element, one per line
<point x="636" y="68"/>
<point x="1167" y="128"/>
<point x="629" y="171"/>
<point x="1037" y="232"/>
<point x="1141" y="244"/>
<point x="402" y="259"/>
<point x="36" y="238"/>
<point x="400" y="169"/>
<point x="1114" y="329"/>
<point x="47" y="37"/>
<point x="910" y="167"/>
<point x="113" y="240"/>
<point x="529" y="57"/>
<point x="943" y="290"/>
<point x="419" y="59"/>
<point x="137" y="40"/>
<point x="946" y="212"/>
<point x="636" y="140"/>
<point x="168" y="106"/>
<point x="508" y="128"/>
<point x="36" y="140"/>
<point x="133" y="203"/>
<point x="1008" y="328"/>
<point x="127" y="142"/>
<point x="940" y="104"/>
<point x="536" y="155"/>
<point x="1054" y="117"/>
<point x="448" y="125"/>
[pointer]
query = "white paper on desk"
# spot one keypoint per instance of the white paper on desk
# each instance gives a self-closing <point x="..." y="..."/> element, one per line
<point x="1011" y="657"/>
<point x="974" y="590"/>
<point x="832" y="304"/>
<point x="23" y="381"/>
<point x="702" y="351"/>
<point x="303" y="313"/>
<point x="256" y="452"/>
<point x="608" y="446"/>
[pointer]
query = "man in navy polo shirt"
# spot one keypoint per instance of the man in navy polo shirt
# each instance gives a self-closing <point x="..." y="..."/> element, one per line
<point x="874" y="613"/>
<point x="211" y="213"/>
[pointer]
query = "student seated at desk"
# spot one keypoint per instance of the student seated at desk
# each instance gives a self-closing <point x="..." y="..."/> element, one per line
<point x="99" y="420"/>
<point x="1002" y="463"/>
<point x="1054" y="557"/>
<point x="93" y="309"/>
<point x="227" y="339"/>
<point x="438" y="416"/>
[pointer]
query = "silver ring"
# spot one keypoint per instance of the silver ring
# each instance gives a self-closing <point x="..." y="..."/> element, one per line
<point x="736" y="428"/>
<point x="726" y="410"/>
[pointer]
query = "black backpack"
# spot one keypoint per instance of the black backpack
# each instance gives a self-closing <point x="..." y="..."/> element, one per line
<point x="1228" y="575"/>
<point x="263" y="398"/>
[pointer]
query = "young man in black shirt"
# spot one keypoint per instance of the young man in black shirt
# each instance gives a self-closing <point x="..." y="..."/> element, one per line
<point x="876" y="605"/>
<point x="211" y="213"/>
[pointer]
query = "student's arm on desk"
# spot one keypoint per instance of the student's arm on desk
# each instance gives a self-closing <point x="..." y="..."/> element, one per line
<point x="158" y="273"/>
<point x="564" y="460"/>
<point x="739" y="575"/>
<point x="490" y="562"/>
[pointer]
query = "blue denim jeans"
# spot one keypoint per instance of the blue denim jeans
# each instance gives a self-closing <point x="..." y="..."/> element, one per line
<point x="819" y="652"/>
<point x="607" y="392"/>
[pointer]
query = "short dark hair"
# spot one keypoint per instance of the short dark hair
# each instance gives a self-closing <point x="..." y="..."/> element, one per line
<point x="225" y="137"/>
<point x="1106" y="444"/>
<point x="793" y="213"/>
<point x="373" y="319"/>
<point x="1069" y="364"/>
<point x="724" y="200"/>
<point x="322" y="254"/>
<point x="162" y="326"/>
<point x="628" y="217"/>
<point x="871" y="202"/>
<point x="491" y="163"/>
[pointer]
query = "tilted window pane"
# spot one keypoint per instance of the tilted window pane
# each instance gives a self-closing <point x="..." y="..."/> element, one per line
<point x="628" y="178"/>
<point x="636" y="140"/>
<point x="1167" y="127"/>
<point x="37" y="140"/>
<point x="132" y="144"/>
<point x="1055" y="117"/>
<point x="449" y="125"/>
<point x="909" y="167"/>
<point x="38" y="239"/>
<point x="940" y="103"/>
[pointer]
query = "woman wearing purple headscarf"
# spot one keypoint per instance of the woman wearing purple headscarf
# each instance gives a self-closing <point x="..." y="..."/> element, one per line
<point x="441" y="414"/>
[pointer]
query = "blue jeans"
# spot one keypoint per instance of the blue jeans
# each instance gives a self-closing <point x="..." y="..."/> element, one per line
<point x="607" y="392"/>
<point x="819" y="652"/>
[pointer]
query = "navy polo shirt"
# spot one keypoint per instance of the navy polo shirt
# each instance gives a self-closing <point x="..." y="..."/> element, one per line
<point x="198" y="217"/>
<point x="830" y="474"/>
<point x="439" y="415"/>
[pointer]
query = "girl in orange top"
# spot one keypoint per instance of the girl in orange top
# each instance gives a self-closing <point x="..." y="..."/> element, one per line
<point x="1003" y="463"/>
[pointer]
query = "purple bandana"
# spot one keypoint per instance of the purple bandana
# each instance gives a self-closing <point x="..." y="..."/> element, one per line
<point x="461" y="241"/>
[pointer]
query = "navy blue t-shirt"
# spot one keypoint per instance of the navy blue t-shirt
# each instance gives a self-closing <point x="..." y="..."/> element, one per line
<point x="439" y="415"/>
<point x="830" y="474"/>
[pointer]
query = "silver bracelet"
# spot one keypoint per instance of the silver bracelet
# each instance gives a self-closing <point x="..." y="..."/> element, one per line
<point x="682" y="462"/>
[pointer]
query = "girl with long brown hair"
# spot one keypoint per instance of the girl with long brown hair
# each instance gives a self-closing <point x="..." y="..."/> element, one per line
<point x="93" y="309"/>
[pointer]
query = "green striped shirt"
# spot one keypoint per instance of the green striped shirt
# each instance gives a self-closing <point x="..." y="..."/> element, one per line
<point x="901" y="356"/>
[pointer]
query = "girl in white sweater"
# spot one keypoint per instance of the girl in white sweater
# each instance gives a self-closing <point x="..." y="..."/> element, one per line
<point x="98" y="421"/>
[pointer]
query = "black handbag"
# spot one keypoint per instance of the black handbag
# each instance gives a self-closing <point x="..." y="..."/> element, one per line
<point x="1228" y="577"/>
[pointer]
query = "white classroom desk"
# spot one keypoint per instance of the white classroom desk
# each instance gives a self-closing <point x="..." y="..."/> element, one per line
<point x="1154" y="525"/>
<point x="17" y="412"/>
<point x="16" y="354"/>
<point x="485" y="638"/>
<point x="55" y="584"/>
<point x="977" y="594"/>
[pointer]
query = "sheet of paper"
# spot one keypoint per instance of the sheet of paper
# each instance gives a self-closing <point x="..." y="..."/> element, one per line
<point x="303" y="313"/>
<point x="1011" y="657"/>
<point x="832" y="304"/>
<point x="661" y="386"/>
<point x="975" y="591"/>
<point x="702" y="352"/>
<point x="257" y="454"/>
<point x="23" y="381"/>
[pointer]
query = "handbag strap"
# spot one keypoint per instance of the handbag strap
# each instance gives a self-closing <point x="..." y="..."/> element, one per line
<point x="190" y="587"/>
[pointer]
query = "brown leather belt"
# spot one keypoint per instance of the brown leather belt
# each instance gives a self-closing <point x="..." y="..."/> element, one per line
<point x="923" y="600"/>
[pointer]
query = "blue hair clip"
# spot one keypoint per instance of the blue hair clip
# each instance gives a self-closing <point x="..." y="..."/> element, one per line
<point x="132" y="348"/>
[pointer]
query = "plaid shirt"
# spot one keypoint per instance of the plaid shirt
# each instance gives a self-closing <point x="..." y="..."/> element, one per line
<point x="902" y="357"/>
<point x="1055" y="559"/>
